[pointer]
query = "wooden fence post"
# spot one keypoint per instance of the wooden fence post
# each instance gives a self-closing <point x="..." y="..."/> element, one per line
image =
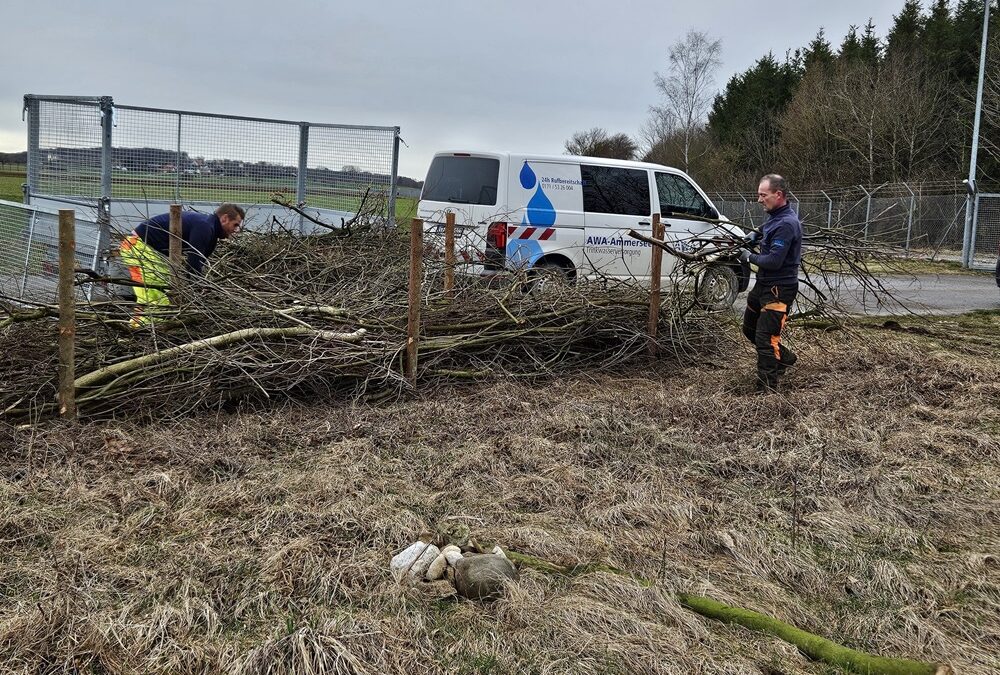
<point x="67" y="313"/>
<point x="449" y="255"/>
<point x="176" y="253"/>
<point x="654" y="285"/>
<point x="413" y="316"/>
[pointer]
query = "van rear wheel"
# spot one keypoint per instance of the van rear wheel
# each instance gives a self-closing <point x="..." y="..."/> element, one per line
<point x="717" y="287"/>
<point x="548" y="275"/>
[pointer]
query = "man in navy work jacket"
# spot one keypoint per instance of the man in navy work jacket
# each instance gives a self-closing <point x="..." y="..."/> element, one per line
<point x="145" y="252"/>
<point x="777" y="282"/>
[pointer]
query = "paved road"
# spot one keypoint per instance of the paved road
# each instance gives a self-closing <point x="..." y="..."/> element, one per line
<point x="921" y="294"/>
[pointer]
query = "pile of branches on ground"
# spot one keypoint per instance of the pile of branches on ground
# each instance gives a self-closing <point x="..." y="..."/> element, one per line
<point x="283" y="315"/>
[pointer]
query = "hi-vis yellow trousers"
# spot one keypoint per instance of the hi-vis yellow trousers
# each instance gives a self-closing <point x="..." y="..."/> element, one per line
<point x="146" y="266"/>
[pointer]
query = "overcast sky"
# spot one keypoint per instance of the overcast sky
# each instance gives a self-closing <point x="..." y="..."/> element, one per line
<point x="513" y="75"/>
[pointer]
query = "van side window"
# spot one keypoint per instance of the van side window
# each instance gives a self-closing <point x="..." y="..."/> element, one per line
<point x="679" y="196"/>
<point x="610" y="189"/>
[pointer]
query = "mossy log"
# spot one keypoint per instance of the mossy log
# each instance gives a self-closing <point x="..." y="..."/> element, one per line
<point x="813" y="646"/>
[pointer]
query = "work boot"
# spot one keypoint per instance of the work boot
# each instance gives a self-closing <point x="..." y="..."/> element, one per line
<point x="788" y="359"/>
<point x="766" y="384"/>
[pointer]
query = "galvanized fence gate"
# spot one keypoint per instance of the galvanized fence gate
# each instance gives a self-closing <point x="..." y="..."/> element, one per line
<point x="119" y="164"/>
<point x="985" y="238"/>
<point x="29" y="251"/>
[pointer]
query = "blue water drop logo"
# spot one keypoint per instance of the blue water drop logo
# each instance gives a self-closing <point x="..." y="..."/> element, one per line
<point x="528" y="178"/>
<point x="541" y="213"/>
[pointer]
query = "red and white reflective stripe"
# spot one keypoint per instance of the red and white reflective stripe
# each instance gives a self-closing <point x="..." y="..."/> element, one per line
<point x="528" y="232"/>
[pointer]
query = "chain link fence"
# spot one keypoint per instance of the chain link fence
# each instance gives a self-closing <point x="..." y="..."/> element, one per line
<point x="926" y="220"/>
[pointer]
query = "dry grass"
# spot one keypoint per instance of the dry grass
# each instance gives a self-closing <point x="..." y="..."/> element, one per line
<point x="863" y="504"/>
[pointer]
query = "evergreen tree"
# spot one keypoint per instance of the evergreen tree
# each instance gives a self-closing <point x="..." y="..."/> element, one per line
<point x="904" y="36"/>
<point x="746" y="116"/>
<point x="850" y="48"/>
<point x="937" y="37"/>
<point x="968" y="33"/>
<point x="871" y="46"/>
<point x="819" y="53"/>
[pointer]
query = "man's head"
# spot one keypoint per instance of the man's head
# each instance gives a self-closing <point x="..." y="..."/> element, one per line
<point x="231" y="218"/>
<point x="772" y="192"/>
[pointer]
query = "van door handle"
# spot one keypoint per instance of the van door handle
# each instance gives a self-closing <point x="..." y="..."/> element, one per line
<point x="645" y="222"/>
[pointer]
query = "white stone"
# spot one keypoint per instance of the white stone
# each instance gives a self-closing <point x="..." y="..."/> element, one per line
<point x="413" y="560"/>
<point x="499" y="551"/>
<point x="452" y="553"/>
<point x="436" y="569"/>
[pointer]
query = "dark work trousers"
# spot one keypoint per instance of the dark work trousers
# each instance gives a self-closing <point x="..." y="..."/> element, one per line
<point x="765" y="316"/>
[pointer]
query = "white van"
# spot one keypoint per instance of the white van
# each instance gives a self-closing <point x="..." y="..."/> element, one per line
<point x="516" y="212"/>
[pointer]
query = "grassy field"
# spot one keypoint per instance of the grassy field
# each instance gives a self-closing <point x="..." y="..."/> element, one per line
<point x="11" y="178"/>
<point x="862" y="503"/>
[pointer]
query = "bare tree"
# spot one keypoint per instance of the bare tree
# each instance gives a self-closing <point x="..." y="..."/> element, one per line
<point x="597" y="142"/>
<point x="688" y="88"/>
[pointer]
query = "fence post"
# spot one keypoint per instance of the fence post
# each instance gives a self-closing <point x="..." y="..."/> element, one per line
<point x="300" y="182"/>
<point x="177" y="177"/>
<point x="395" y="171"/>
<point x="27" y="253"/>
<point x="33" y="168"/>
<point x="413" y="315"/>
<point x="909" y="218"/>
<point x="175" y="253"/>
<point x="967" y="242"/>
<point x="449" y="254"/>
<point x="104" y="203"/>
<point x="654" y="285"/>
<point x="868" y="212"/>
<point x="829" y="210"/>
<point x="67" y="313"/>
<point x="972" y="235"/>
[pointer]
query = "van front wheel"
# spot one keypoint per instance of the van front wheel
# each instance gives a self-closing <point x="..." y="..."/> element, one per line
<point x="717" y="287"/>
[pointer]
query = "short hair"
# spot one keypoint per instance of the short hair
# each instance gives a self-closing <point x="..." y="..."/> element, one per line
<point x="776" y="183"/>
<point x="231" y="210"/>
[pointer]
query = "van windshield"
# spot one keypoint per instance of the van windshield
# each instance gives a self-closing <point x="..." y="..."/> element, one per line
<point x="462" y="180"/>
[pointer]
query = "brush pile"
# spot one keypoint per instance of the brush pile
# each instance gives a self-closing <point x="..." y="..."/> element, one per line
<point x="280" y="315"/>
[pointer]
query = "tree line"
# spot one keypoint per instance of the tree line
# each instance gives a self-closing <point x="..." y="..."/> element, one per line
<point x="868" y="111"/>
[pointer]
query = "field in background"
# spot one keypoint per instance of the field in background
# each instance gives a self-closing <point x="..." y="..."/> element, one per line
<point x="241" y="190"/>
<point x="12" y="176"/>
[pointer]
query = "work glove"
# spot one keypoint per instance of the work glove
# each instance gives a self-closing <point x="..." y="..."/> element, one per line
<point x="752" y="238"/>
<point x="744" y="255"/>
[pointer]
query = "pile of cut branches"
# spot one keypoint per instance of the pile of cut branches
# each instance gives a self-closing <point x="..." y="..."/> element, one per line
<point x="282" y="315"/>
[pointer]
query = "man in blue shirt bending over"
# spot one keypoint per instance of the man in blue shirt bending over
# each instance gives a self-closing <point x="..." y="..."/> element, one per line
<point x="145" y="253"/>
<point x="777" y="282"/>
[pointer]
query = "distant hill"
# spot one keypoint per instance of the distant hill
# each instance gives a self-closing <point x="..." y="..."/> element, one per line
<point x="14" y="157"/>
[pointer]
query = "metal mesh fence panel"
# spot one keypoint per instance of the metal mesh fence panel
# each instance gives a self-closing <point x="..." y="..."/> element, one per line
<point x="150" y="157"/>
<point x="67" y="157"/>
<point x="347" y="164"/>
<point x="144" y="155"/>
<point x="236" y="160"/>
<point x="986" y="242"/>
<point x="29" y="251"/>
